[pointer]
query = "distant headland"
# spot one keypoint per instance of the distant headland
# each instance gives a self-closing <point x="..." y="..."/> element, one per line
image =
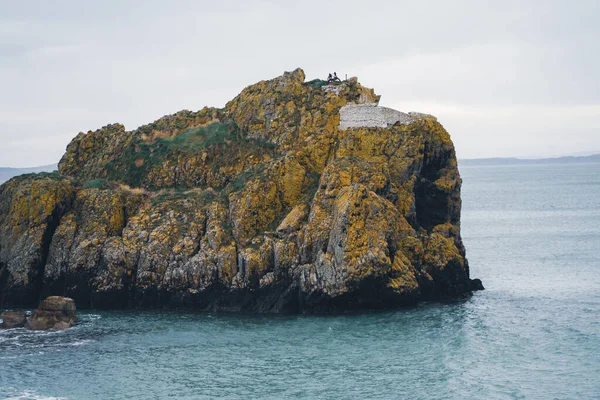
<point x="6" y="173"/>
<point x="528" y="161"/>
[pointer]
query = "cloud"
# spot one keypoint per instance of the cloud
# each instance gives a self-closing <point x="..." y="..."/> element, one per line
<point x="68" y="66"/>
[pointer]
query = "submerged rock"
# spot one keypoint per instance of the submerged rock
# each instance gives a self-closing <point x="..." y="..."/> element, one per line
<point x="54" y="312"/>
<point x="272" y="203"/>
<point x="13" y="319"/>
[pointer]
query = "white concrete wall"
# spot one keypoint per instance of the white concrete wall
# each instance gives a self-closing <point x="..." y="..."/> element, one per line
<point x="371" y="116"/>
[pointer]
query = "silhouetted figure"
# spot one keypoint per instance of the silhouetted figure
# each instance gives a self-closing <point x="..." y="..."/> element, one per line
<point x="329" y="78"/>
<point x="335" y="77"/>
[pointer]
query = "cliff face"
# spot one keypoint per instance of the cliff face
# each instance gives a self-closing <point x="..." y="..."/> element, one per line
<point x="264" y="205"/>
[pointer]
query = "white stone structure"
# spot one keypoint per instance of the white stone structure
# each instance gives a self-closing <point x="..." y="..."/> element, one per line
<point x="332" y="89"/>
<point x="372" y="116"/>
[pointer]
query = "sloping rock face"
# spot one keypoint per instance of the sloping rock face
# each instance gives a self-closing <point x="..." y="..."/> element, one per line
<point x="264" y="205"/>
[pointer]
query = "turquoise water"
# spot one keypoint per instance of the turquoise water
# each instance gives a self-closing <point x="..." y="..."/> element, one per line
<point x="532" y="235"/>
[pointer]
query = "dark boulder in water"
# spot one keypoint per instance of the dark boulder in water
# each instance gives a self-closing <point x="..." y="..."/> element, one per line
<point x="13" y="319"/>
<point x="53" y="313"/>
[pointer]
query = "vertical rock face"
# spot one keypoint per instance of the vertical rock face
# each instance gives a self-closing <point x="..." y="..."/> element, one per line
<point x="30" y="211"/>
<point x="268" y="204"/>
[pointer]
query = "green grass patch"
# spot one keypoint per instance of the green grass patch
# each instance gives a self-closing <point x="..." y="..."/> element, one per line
<point x="54" y="175"/>
<point x="223" y="141"/>
<point x="95" y="183"/>
<point x="197" y="139"/>
<point x="241" y="180"/>
<point x="316" y="83"/>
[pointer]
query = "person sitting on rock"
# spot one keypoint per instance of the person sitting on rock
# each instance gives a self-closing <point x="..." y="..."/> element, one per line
<point x="329" y="78"/>
<point x="335" y="77"/>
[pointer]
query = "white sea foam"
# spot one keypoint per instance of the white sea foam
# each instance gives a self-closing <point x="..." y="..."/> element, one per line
<point x="30" y="395"/>
<point x="92" y="317"/>
<point x="81" y="342"/>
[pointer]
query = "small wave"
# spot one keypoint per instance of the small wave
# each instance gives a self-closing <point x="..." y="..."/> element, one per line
<point x="81" y="342"/>
<point x="38" y="333"/>
<point x="29" y="395"/>
<point x="93" y="317"/>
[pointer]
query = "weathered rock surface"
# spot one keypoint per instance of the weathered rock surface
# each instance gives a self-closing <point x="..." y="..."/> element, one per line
<point x="55" y="312"/>
<point x="264" y="205"/>
<point x="13" y="319"/>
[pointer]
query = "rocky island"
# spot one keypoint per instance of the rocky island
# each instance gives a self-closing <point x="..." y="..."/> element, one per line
<point x="295" y="197"/>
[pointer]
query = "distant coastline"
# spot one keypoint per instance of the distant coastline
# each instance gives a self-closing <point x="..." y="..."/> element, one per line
<point x="7" y="173"/>
<point x="525" y="161"/>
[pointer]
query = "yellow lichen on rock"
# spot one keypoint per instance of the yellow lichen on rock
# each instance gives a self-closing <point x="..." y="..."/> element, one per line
<point x="292" y="221"/>
<point x="439" y="252"/>
<point x="403" y="277"/>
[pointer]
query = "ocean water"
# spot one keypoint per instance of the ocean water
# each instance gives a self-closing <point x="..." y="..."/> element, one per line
<point x="532" y="235"/>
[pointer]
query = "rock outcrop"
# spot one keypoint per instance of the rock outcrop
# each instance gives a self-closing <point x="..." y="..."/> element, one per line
<point x="13" y="319"/>
<point x="264" y="205"/>
<point x="55" y="313"/>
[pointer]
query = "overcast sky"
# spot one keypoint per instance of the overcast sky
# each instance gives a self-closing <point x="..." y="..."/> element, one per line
<point x="506" y="78"/>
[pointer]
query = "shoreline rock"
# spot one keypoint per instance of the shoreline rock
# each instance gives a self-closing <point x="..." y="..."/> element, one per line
<point x="54" y="312"/>
<point x="13" y="319"/>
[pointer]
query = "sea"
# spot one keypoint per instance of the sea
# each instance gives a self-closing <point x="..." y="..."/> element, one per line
<point x="532" y="234"/>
